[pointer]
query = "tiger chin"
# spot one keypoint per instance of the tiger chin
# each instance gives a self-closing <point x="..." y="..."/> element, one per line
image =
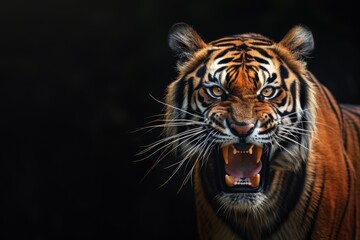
<point x="272" y="153"/>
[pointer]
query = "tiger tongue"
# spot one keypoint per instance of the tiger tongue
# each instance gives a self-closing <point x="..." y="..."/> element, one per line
<point x="242" y="161"/>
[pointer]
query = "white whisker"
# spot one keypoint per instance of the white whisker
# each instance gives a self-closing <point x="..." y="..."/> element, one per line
<point x="285" y="138"/>
<point x="162" y="156"/>
<point x="182" y="110"/>
<point x="282" y="147"/>
<point x="175" y="138"/>
<point x="205" y="146"/>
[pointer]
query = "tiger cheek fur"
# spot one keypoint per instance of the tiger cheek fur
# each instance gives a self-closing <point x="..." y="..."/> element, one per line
<point x="273" y="154"/>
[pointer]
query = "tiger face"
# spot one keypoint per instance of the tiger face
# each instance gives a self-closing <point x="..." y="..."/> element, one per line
<point x="240" y="111"/>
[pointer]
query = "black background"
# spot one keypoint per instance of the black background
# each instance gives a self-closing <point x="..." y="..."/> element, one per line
<point x="76" y="79"/>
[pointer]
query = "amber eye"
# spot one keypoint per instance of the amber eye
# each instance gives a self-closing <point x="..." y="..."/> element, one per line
<point x="268" y="92"/>
<point x="217" y="91"/>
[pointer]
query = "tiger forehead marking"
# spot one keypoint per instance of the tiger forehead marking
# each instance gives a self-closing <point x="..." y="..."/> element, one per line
<point x="242" y="67"/>
<point x="235" y="55"/>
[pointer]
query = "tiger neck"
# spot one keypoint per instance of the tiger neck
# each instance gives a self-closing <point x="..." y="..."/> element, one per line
<point x="272" y="221"/>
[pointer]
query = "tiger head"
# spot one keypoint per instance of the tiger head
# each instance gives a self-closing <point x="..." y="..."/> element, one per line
<point x="241" y="110"/>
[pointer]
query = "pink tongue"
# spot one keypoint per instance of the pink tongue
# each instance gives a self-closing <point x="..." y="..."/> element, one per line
<point x="242" y="165"/>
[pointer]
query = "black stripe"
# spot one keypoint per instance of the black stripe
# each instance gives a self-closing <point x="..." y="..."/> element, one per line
<point x="308" y="200"/>
<point x="263" y="68"/>
<point x="178" y="93"/>
<point x="272" y="78"/>
<point x="282" y="103"/>
<point x="339" y="224"/>
<point x="189" y="96"/>
<point x="221" y="54"/>
<point x="262" y="52"/>
<point x="328" y="98"/>
<point x="316" y="212"/>
<point x="284" y="73"/>
<point x="222" y="40"/>
<point x="351" y="109"/>
<point x="242" y="47"/>
<point x="351" y="127"/>
<point x="226" y="45"/>
<point x="201" y="71"/>
<point x="211" y="78"/>
<point x="293" y="91"/>
<point x="264" y="43"/>
<point x="345" y="133"/>
<point x="225" y="60"/>
<point x="220" y="70"/>
<point x="351" y="113"/>
<point x="261" y="60"/>
<point x="333" y="105"/>
<point x="203" y="60"/>
<point x="304" y="88"/>
<point x="356" y="127"/>
<point x="293" y="187"/>
<point x="355" y="216"/>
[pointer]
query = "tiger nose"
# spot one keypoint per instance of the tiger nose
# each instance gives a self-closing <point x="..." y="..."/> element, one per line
<point x="242" y="128"/>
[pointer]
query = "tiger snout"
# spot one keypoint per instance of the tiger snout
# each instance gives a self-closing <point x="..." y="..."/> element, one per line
<point x="242" y="129"/>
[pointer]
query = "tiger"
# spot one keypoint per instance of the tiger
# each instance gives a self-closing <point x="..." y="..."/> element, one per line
<point x="270" y="151"/>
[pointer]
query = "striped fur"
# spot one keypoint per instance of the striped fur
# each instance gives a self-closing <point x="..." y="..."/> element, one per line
<point x="245" y="80"/>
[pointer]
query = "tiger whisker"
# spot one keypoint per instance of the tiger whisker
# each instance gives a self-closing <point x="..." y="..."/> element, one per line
<point x="282" y="147"/>
<point x="198" y="147"/>
<point x="175" y="120"/>
<point x="179" y="109"/>
<point x="299" y="130"/>
<point x="166" y="139"/>
<point x="190" y="152"/>
<point x="170" y="123"/>
<point x="181" y="143"/>
<point x="205" y="146"/>
<point x="292" y="132"/>
<point x="189" y="149"/>
<point x="209" y="150"/>
<point x="285" y="138"/>
<point x="284" y="133"/>
<point x="161" y="156"/>
<point x="179" y="165"/>
<point x="178" y="124"/>
<point x="295" y="113"/>
<point x="175" y="139"/>
<point x="158" y="160"/>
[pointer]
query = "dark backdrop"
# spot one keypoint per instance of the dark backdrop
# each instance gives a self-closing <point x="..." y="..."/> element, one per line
<point x="75" y="81"/>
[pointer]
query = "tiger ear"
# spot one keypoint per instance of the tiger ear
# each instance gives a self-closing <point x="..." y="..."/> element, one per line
<point x="299" y="40"/>
<point x="184" y="41"/>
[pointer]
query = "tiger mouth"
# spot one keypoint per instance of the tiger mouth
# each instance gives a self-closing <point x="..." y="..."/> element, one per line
<point x="243" y="168"/>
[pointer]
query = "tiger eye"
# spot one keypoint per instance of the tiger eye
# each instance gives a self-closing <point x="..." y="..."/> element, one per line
<point x="267" y="92"/>
<point x="217" y="91"/>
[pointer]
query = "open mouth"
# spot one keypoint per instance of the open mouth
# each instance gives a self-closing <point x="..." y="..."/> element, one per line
<point x="243" y="168"/>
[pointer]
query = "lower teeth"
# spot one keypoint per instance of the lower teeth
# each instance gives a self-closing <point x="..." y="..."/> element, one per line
<point x="253" y="181"/>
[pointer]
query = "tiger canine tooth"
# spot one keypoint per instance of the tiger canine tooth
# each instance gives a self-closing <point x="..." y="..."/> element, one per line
<point x="250" y="150"/>
<point x="225" y="152"/>
<point x="229" y="181"/>
<point x="258" y="154"/>
<point x="235" y="151"/>
<point x="255" y="180"/>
